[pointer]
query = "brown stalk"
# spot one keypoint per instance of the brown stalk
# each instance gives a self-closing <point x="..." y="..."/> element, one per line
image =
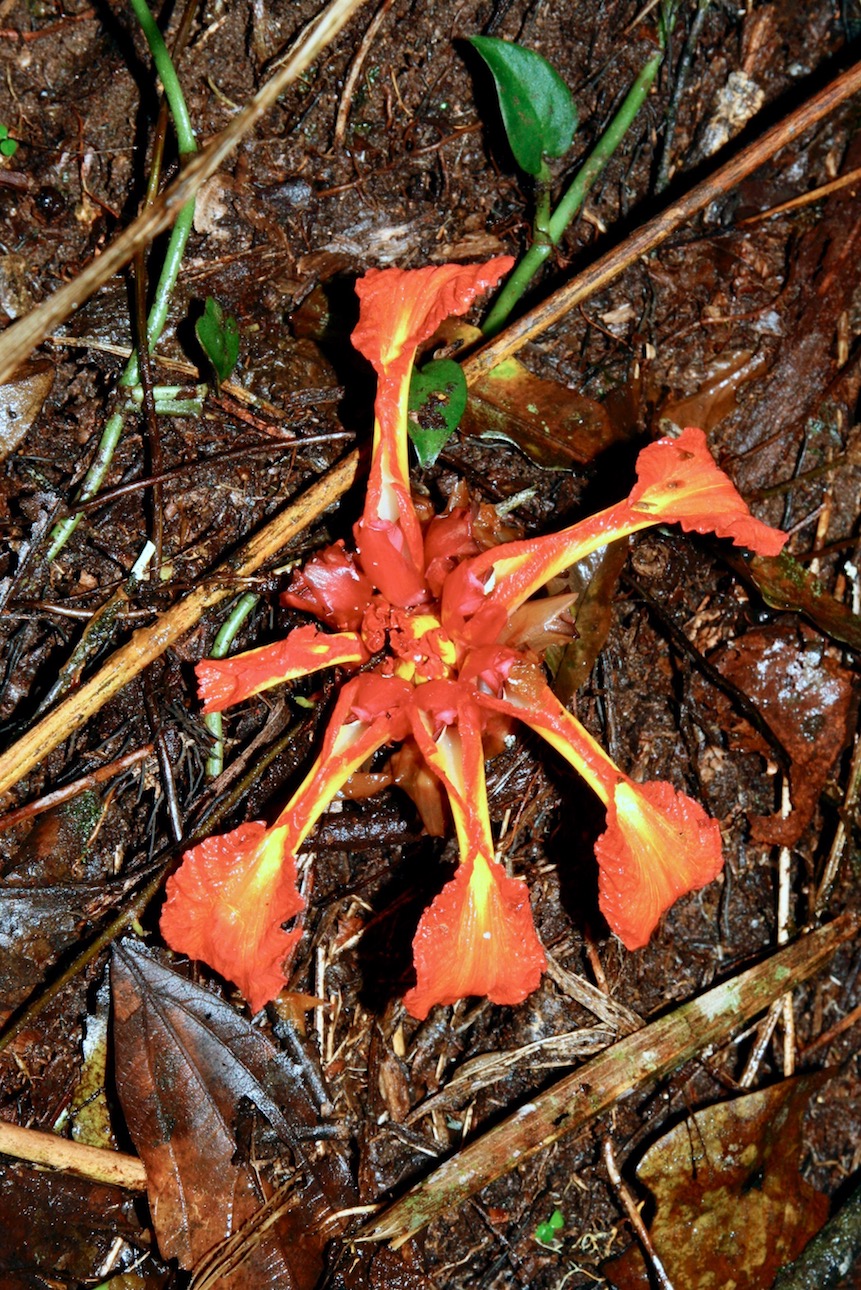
<point x="655" y="231"/>
<point x="21" y="338"/>
<point x="148" y="643"/>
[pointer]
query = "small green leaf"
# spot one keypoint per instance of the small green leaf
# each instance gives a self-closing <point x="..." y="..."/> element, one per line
<point x="556" y="1220"/>
<point x="537" y="109"/>
<point x="437" y="403"/>
<point x="545" y="1234"/>
<point x="8" y="147"/>
<point x="218" y="335"/>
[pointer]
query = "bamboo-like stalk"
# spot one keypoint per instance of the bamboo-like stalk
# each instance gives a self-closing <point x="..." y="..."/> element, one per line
<point x="95" y="1163"/>
<point x="648" y="1054"/>
<point x="148" y="643"/>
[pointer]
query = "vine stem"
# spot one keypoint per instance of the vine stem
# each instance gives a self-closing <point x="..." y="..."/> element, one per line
<point x="186" y="145"/>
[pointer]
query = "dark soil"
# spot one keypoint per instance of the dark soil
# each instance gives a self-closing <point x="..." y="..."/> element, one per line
<point x="747" y="327"/>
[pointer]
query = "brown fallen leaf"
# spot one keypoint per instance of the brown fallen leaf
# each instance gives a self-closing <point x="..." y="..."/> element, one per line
<point x="805" y="697"/>
<point x="554" y="426"/>
<point x="21" y="402"/>
<point x="188" y="1068"/>
<point x="732" y="1207"/>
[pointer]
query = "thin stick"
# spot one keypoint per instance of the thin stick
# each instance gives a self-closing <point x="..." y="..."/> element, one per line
<point x="148" y="643"/>
<point x="21" y="338"/>
<point x="77" y="786"/>
<point x="95" y="1163"/>
<point x="356" y="71"/>
<point x="662" y="1281"/>
<point x="651" y="234"/>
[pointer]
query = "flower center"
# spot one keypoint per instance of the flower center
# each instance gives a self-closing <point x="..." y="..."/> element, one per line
<point x="419" y="648"/>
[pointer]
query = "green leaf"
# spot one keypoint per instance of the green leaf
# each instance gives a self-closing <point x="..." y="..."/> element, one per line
<point x="8" y="147"/>
<point x="537" y="109"/>
<point x="218" y="335"/>
<point x="437" y="403"/>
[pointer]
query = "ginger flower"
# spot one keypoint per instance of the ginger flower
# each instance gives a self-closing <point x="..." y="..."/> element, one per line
<point x="444" y="631"/>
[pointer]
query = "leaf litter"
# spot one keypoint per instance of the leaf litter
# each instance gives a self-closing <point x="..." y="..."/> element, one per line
<point x="718" y="291"/>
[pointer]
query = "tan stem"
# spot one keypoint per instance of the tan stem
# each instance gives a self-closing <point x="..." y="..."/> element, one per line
<point x="148" y="643"/>
<point x="95" y="1163"/>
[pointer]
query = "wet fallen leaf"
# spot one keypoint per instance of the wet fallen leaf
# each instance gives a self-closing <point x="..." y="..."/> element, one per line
<point x="594" y="581"/>
<point x="732" y="1206"/>
<point x="55" y="1223"/>
<point x="806" y="697"/>
<point x="555" y="427"/>
<point x="21" y="402"/>
<point x="188" y="1069"/>
<point x="785" y="584"/>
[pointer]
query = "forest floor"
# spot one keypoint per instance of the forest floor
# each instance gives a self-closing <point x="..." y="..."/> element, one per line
<point x="733" y="680"/>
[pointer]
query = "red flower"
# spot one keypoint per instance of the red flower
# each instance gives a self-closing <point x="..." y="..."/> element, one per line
<point x="226" y="904"/>
<point x="677" y="479"/>
<point x="223" y="682"/>
<point x="454" y="636"/>
<point x="476" y="938"/>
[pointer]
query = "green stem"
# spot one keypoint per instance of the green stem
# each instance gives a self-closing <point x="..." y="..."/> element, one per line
<point x="186" y="144"/>
<point x="224" y="639"/>
<point x="573" y="198"/>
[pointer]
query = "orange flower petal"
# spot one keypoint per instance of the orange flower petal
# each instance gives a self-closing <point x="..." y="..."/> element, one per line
<point x="658" y="846"/>
<point x="226" y="903"/>
<point x="398" y="310"/>
<point x="678" y="481"/>
<point x="223" y="682"/>
<point x="370" y="713"/>
<point x="477" y="937"/>
<point x="455" y="754"/>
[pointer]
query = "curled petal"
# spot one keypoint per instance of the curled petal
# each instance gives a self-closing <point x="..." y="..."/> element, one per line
<point x="225" y="906"/>
<point x="659" y="844"/>
<point x="226" y="681"/>
<point x="400" y="308"/>
<point x="678" y="481"/>
<point x="332" y="587"/>
<point x="477" y="937"/>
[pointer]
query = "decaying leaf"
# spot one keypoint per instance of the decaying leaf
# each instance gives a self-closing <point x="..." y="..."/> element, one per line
<point x="59" y="1230"/>
<point x="732" y="1206"/>
<point x="555" y="427"/>
<point x="806" y="698"/>
<point x="21" y="402"/>
<point x="189" y="1070"/>
<point x="783" y="583"/>
<point x="594" y="582"/>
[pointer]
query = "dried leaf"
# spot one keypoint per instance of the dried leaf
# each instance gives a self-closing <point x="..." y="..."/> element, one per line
<point x="806" y="697"/>
<point x="732" y="1206"/>
<point x="187" y="1067"/>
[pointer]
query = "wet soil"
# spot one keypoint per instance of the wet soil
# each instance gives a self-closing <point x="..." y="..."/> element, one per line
<point x="744" y="324"/>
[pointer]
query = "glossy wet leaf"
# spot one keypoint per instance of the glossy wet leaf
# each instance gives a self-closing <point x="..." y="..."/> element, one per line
<point x="218" y="335"/>
<point x="805" y="696"/>
<point x="537" y="109"/>
<point x="55" y="1222"/>
<point x="732" y="1206"/>
<point x="783" y="583"/>
<point x="437" y="402"/>
<point x="188" y="1070"/>
<point x="554" y="426"/>
<point x="594" y="581"/>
